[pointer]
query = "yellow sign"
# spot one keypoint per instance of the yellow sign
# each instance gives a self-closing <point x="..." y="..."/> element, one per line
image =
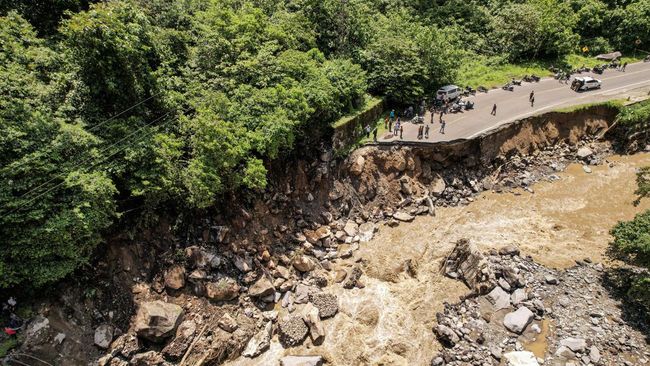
<point x="585" y="49"/>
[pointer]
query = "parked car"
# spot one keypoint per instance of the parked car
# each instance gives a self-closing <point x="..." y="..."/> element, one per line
<point x="585" y="83"/>
<point x="450" y="91"/>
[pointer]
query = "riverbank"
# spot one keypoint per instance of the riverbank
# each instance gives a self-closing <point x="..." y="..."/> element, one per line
<point x="289" y="272"/>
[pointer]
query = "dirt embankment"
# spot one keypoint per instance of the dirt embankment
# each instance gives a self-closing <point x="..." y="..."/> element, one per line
<point x="290" y="242"/>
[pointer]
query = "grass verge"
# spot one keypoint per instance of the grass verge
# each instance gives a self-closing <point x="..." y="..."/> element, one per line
<point x="491" y="72"/>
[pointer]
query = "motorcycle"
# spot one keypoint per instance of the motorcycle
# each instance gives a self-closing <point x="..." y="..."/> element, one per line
<point x="646" y="59"/>
<point x="469" y="91"/>
<point x="482" y="89"/>
<point x="508" y="87"/>
<point x="597" y="69"/>
<point x="531" y="78"/>
<point x="456" y="107"/>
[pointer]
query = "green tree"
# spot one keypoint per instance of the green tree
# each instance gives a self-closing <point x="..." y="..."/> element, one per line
<point x="52" y="212"/>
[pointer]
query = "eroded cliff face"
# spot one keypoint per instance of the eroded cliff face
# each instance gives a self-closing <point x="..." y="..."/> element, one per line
<point x="297" y="240"/>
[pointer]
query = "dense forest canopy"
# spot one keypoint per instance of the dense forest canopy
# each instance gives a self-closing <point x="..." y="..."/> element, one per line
<point x="144" y="103"/>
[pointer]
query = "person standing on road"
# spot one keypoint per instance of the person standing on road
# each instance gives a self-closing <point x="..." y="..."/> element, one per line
<point x="532" y="101"/>
<point x="367" y="131"/>
<point x="494" y="110"/>
<point x="401" y="132"/>
<point x="386" y="120"/>
<point x="374" y="135"/>
<point x="392" y="115"/>
<point x="426" y="132"/>
<point x="442" y="126"/>
<point x="531" y="96"/>
<point x="624" y="66"/>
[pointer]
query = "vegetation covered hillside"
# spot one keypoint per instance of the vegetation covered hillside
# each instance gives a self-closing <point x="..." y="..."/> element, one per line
<point x="132" y="105"/>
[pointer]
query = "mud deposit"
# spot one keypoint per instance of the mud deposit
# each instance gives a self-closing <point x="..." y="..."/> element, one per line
<point x="389" y="321"/>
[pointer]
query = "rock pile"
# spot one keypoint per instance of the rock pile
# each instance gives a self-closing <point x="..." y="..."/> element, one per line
<point x="536" y="315"/>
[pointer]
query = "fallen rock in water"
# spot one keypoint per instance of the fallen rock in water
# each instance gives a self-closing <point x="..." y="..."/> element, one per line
<point x="157" y="320"/>
<point x="104" y="336"/>
<point x="509" y="249"/>
<point x="263" y="287"/>
<point x="467" y="262"/>
<point x="293" y="331"/>
<point x="584" y="152"/>
<point x="260" y="342"/>
<point x="521" y="358"/>
<point x="403" y="216"/>
<point x="303" y="263"/>
<point x="446" y="335"/>
<point x="301" y="361"/>
<point x="327" y="304"/>
<point x="223" y="290"/>
<point x="175" y="277"/>
<point x="518" y="320"/>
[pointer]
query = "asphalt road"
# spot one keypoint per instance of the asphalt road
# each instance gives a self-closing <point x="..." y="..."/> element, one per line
<point x="550" y="94"/>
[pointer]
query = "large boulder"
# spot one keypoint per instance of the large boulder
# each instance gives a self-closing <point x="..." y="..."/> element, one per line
<point x="262" y="288"/>
<point x="584" y="152"/>
<point x="466" y="262"/>
<point x="260" y="342"/>
<point x="517" y="321"/>
<point x="157" y="320"/>
<point x="175" y="277"/>
<point x="301" y="361"/>
<point x="225" y="289"/>
<point x="104" y="335"/>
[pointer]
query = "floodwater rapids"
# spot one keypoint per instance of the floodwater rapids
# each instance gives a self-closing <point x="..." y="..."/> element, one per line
<point x="389" y="321"/>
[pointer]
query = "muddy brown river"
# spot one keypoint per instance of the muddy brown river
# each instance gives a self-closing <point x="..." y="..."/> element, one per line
<point x="389" y="321"/>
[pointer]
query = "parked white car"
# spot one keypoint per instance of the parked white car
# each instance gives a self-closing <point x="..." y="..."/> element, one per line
<point x="450" y="92"/>
<point x="585" y="83"/>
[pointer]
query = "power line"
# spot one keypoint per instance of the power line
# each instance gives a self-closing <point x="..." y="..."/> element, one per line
<point x="102" y="160"/>
<point x="95" y="127"/>
<point x="100" y="152"/>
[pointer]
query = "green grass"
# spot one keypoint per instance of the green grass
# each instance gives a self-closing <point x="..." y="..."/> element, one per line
<point x="490" y="72"/>
<point x="616" y="103"/>
<point x="7" y="345"/>
<point x="370" y="103"/>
